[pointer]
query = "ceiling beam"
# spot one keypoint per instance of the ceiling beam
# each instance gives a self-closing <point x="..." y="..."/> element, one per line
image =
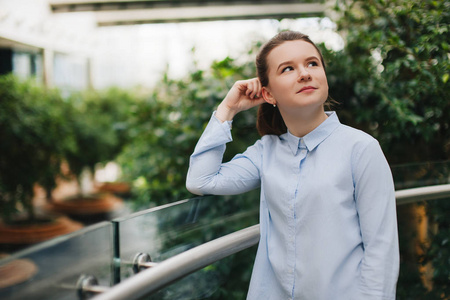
<point x="191" y="14"/>
<point x="110" y="13"/>
<point x="63" y="6"/>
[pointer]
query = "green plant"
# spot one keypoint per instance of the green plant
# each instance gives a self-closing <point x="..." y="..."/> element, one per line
<point x="34" y="139"/>
<point x="99" y="124"/>
<point x="392" y="77"/>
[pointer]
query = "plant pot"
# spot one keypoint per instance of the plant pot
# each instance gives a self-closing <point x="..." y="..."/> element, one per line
<point x="23" y="233"/>
<point x="117" y="188"/>
<point x="16" y="271"/>
<point x="89" y="208"/>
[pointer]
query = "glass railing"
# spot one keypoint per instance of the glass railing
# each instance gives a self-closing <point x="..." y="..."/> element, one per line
<point x="105" y="254"/>
<point x="164" y="232"/>
<point x="423" y="231"/>
<point x="414" y="175"/>
<point x="52" y="269"/>
<point x="111" y="253"/>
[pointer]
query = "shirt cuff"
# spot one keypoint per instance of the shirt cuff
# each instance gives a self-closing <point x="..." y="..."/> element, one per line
<point x="229" y="123"/>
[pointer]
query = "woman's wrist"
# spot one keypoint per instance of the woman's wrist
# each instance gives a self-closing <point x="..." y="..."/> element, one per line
<point x="223" y="113"/>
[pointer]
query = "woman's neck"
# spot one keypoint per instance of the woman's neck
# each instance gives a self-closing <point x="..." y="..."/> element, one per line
<point x="303" y="122"/>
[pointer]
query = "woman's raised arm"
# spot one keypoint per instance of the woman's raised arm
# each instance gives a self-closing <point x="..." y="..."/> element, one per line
<point x="244" y="95"/>
<point x="207" y="174"/>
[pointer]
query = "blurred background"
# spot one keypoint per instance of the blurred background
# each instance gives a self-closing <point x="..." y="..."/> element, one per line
<point x="98" y="44"/>
<point x="102" y="102"/>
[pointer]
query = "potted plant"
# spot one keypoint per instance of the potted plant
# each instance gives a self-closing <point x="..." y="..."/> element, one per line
<point x="98" y="124"/>
<point x="34" y="139"/>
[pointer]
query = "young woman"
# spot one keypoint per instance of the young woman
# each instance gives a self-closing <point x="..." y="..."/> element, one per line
<point x="327" y="211"/>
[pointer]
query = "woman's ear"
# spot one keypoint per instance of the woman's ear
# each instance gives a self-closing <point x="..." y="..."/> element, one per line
<point x="268" y="96"/>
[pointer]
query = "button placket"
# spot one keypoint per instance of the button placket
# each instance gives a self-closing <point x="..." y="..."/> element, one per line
<point x="301" y="155"/>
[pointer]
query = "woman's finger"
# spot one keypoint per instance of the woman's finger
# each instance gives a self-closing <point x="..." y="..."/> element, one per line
<point x="259" y="87"/>
<point x="251" y="89"/>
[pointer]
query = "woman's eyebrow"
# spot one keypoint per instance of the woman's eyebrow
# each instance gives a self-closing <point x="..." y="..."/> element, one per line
<point x="312" y="58"/>
<point x="289" y="62"/>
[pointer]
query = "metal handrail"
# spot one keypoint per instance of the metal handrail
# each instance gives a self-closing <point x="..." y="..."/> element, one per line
<point x="422" y="194"/>
<point x="179" y="266"/>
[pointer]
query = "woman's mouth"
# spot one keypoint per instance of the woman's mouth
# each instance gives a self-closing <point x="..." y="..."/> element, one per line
<point x="306" y="88"/>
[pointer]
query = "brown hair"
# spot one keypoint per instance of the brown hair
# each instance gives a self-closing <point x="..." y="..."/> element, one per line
<point x="269" y="119"/>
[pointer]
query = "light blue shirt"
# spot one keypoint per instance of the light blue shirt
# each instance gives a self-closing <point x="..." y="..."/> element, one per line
<point x="327" y="212"/>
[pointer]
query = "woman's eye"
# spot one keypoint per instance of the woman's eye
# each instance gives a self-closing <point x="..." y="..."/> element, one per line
<point x="287" y="69"/>
<point x="313" y="64"/>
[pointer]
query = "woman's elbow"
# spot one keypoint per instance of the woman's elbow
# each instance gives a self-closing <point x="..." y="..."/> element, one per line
<point x="193" y="187"/>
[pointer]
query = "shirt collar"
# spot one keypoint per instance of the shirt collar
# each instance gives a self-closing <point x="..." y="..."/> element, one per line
<point x="315" y="137"/>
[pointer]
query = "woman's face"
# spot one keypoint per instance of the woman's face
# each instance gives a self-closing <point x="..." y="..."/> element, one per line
<point x="297" y="78"/>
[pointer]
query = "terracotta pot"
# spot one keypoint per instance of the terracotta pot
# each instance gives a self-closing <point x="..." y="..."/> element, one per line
<point x="16" y="271"/>
<point x="87" y="205"/>
<point x="118" y="188"/>
<point x="27" y="234"/>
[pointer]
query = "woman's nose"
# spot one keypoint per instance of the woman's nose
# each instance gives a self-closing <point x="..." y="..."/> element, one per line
<point x="303" y="75"/>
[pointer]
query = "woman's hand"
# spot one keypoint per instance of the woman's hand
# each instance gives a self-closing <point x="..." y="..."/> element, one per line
<point x="244" y="95"/>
